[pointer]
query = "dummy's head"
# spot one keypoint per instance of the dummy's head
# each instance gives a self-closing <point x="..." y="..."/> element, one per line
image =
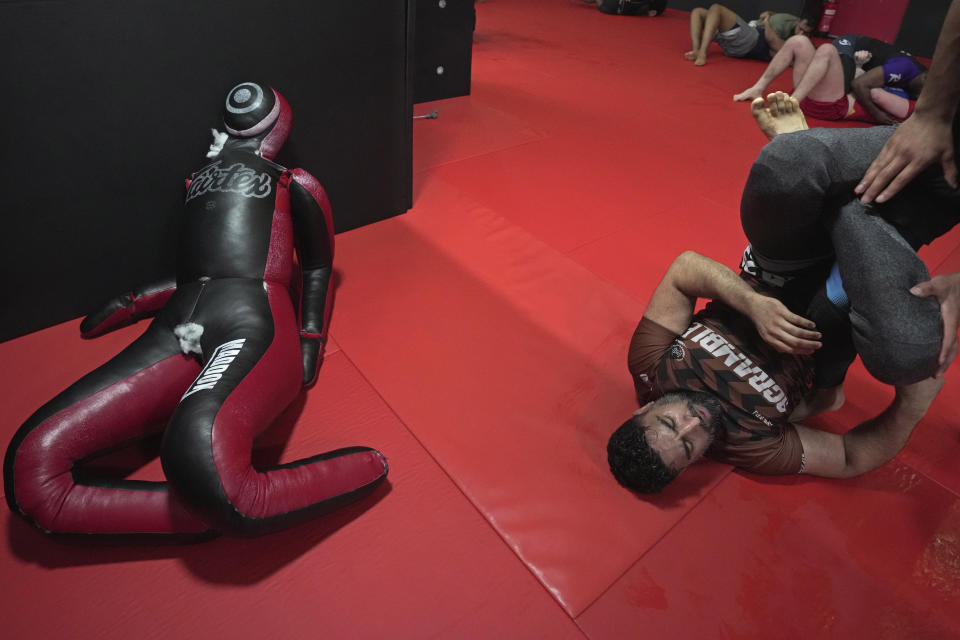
<point x="661" y="439"/>
<point x="257" y="116"/>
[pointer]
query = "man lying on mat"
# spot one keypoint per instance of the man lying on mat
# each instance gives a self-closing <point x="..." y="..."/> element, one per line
<point x="731" y="381"/>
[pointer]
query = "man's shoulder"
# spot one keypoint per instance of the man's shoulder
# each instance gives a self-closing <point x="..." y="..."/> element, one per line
<point x="755" y="443"/>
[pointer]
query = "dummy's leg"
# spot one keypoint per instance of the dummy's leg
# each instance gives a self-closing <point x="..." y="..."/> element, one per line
<point x="822" y="79"/>
<point x="253" y="370"/>
<point x="126" y="399"/>
<point x="718" y="18"/>
<point x="697" y="18"/>
<point x="797" y="52"/>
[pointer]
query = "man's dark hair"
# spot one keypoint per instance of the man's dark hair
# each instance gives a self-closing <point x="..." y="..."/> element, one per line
<point x="634" y="464"/>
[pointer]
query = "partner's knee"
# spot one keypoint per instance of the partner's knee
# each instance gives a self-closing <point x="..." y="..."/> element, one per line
<point x="826" y="50"/>
<point x="895" y="357"/>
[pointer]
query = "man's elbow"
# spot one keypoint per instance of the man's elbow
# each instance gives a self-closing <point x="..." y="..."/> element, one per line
<point x="687" y="257"/>
<point x="858" y="461"/>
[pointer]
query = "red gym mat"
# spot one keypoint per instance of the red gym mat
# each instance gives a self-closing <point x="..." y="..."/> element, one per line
<point x="793" y="559"/>
<point x="480" y="343"/>
<point x="506" y="361"/>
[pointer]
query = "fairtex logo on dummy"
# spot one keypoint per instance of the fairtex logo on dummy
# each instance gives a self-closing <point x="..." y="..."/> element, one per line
<point x="237" y="178"/>
<point x="219" y="363"/>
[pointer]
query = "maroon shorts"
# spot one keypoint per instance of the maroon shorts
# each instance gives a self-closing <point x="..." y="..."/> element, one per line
<point x="836" y="110"/>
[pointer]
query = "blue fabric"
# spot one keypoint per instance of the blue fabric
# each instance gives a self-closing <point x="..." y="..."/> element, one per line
<point x="835" y="291"/>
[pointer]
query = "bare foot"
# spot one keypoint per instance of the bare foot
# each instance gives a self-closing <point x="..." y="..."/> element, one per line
<point x="818" y="401"/>
<point x="690" y="55"/>
<point x="782" y="116"/>
<point x="749" y="94"/>
<point x="701" y="60"/>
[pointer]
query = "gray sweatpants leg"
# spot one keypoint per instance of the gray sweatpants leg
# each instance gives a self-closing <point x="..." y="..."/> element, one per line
<point x="897" y="334"/>
<point x="798" y="206"/>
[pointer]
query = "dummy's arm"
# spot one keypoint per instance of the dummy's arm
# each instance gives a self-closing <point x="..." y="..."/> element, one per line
<point x="313" y="223"/>
<point x="693" y="276"/>
<point x="873" y="443"/>
<point x="861" y="87"/>
<point x="127" y="308"/>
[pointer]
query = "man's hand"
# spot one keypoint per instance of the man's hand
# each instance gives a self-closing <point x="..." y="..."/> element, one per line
<point x="947" y="290"/>
<point x="915" y="145"/>
<point x="782" y="329"/>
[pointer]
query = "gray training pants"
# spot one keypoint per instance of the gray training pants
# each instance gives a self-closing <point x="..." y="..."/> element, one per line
<point x="800" y="214"/>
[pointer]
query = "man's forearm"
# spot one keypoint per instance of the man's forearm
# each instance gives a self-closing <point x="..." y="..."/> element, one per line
<point x="941" y="91"/>
<point x="879" y="439"/>
<point x="698" y="276"/>
<point x="861" y="91"/>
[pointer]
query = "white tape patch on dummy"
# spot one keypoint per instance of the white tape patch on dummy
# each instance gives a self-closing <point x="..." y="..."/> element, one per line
<point x="189" y="335"/>
<point x="219" y="139"/>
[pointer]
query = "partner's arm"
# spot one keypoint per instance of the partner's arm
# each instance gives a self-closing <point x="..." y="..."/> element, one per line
<point x="926" y="136"/>
<point x="861" y="87"/>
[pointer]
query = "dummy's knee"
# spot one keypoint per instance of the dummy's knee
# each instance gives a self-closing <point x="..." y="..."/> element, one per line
<point x="190" y="466"/>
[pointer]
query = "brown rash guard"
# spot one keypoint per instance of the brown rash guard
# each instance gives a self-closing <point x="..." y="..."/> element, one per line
<point x="758" y="387"/>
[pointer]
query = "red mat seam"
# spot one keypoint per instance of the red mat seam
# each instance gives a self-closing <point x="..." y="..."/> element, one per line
<point x="654" y="545"/>
<point x="466" y="496"/>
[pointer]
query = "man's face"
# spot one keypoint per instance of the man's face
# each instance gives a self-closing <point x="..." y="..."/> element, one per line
<point x="681" y="425"/>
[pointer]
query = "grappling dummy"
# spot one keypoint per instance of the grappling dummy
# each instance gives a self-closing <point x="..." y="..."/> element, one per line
<point x="232" y="344"/>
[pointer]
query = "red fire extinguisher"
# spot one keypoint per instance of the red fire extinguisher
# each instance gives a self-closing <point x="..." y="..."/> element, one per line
<point x="829" y="12"/>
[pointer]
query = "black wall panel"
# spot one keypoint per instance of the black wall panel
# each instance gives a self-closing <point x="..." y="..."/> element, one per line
<point x="746" y="9"/>
<point x="443" y="50"/>
<point x="921" y="26"/>
<point x="108" y="105"/>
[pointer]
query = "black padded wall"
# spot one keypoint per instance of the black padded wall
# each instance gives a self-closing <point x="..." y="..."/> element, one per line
<point x="443" y="50"/>
<point x="108" y="105"/>
<point x="746" y="9"/>
<point x="921" y="26"/>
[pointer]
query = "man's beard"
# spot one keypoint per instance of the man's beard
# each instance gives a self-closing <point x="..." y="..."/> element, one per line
<point x="706" y="400"/>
